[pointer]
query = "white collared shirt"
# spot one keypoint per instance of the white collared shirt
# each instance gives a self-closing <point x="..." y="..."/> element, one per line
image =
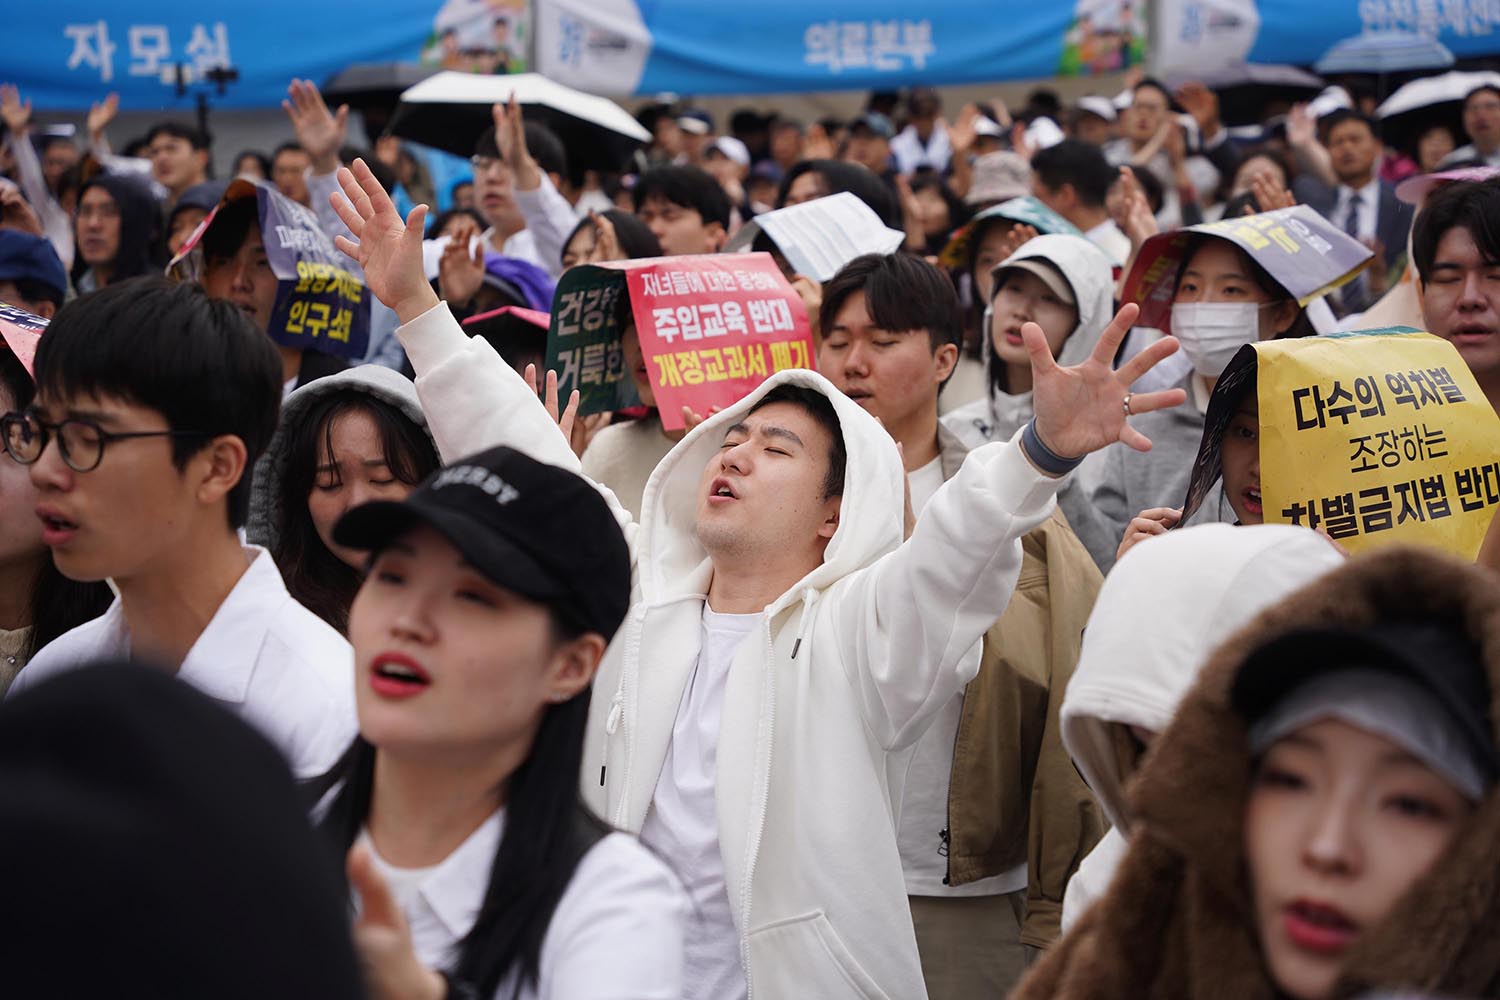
<point x="1369" y="207"/>
<point x="264" y="656"/>
<point x="616" y="933"/>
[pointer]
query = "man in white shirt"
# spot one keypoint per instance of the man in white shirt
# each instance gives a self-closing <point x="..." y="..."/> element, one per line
<point x="924" y="142"/>
<point x="153" y="403"/>
<point x="787" y="507"/>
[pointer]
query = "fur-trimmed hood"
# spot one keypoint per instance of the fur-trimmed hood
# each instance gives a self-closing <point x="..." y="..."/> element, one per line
<point x="1178" y="921"/>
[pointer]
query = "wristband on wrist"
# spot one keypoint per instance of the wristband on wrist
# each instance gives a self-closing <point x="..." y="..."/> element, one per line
<point x="1041" y="456"/>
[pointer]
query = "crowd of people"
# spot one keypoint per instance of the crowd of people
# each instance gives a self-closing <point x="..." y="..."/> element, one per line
<point x="963" y="665"/>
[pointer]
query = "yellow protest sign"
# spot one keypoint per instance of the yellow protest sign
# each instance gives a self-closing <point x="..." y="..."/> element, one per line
<point x="1377" y="437"/>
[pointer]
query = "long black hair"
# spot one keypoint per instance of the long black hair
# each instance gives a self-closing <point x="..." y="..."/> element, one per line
<point x="319" y="580"/>
<point x="57" y="603"/>
<point x="837" y="176"/>
<point x="548" y="830"/>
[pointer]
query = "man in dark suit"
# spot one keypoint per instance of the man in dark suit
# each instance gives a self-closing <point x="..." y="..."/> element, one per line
<point x="1362" y="205"/>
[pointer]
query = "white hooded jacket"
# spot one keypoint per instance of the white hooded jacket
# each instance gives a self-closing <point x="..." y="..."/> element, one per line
<point x="821" y="713"/>
<point x="1162" y="612"/>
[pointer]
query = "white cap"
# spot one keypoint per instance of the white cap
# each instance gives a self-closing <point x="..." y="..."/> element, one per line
<point x="731" y="148"/>
<point x="1096" y="105"/>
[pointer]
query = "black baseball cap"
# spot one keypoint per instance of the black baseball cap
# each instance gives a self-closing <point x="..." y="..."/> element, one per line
<point x="1437" y="657"/>
<point x="25" y="257"/>
<point x="541" y="531"/>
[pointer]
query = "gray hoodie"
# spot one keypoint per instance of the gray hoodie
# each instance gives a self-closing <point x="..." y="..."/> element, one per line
<point x="999" y="415"/>
<point x="383" y="384"/>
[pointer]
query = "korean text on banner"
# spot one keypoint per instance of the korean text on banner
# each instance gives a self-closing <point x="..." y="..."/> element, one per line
<point x="584" y="339"/>
<point x="712" y="328"/>
<point x="320" y="305"/>
<point x="1377" y="437"/>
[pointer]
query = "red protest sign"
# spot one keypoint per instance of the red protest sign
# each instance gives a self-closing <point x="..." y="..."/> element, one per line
<point x="712" y="328"/>
<point x="21" y="330"/>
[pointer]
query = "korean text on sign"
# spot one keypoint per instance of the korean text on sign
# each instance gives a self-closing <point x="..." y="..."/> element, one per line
<point x="1375" y="438"/>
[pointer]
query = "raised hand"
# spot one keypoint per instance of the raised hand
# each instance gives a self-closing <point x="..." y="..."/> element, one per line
<point x="461" y="266"/>
<point x="606" y="241"/>
<point x="320" y="132"/>
<point x="382" y="940"/>
<point x="389" y="250"/>
<point x="13" y="111"/>
<point x="1020" y="234"/>
<point x="16" y="212"/>
<point x="568" y="415"/>
<point x="961" y="134"/>
<point x="510" y="138"/>
<point x="1269" y="194"/>
<point x="1203" y="105"/>
<point x="1085" y="408"/>
<point x="1155" y="521"/>
<point x="100" y="115"/>
<point x="1301" y="128"/>
<point x="1134" y="215"/>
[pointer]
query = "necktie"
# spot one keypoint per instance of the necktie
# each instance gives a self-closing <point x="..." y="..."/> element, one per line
<point x="1354" y="292"/>
<point x="1351" y="220"/>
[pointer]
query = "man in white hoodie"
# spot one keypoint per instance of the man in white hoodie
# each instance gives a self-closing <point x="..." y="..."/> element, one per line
<point x="785" y="650"/>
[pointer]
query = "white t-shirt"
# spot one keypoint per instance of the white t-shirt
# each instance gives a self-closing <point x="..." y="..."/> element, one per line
<point x="923" y="835"/>
<point x="616" y="932"/>
<point x="683" y="823"/>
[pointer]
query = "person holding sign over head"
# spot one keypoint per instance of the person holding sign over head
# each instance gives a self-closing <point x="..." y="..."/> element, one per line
<point x="1217" y="287"/>
<point x="785" y="648"/>
<point x="268" y="256"/>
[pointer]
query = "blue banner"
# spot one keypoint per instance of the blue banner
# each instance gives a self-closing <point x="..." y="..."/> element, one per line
<point x="692" y="47"/>
<point x="1202" y="36"/>
<point x="66" y="56"/>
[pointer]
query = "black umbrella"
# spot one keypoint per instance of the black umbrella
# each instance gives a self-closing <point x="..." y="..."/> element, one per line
<point x="450" y="110"/>
<point x="1247" y="89"/>
<point x="361" y="84"/>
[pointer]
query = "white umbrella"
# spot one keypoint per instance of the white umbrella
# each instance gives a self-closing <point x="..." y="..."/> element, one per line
<point x="1430" y="90"/>
<point x="450" y="110"/>
<point x="1381" y="52"/>
<point x="1433" y="100"/>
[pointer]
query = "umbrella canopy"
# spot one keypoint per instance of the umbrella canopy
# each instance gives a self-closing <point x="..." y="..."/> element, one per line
<point x="1245" y="89"/>
<point x="1432" y="100"/>
<point x="450" y="110"/>
<point x="361" y="84"/>
<point x="1381" y="52"/>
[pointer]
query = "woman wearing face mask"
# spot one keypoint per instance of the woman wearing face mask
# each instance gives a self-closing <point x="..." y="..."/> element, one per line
<point x="1222" y="301"/>
<point x="491" y="595"/>
<point x="346" y="439"/>
<point x="1319" y="818"/>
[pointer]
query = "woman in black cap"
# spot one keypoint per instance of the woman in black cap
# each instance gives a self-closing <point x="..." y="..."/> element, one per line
<point x="1320" y="818"/>
<point x="491" y="594"/>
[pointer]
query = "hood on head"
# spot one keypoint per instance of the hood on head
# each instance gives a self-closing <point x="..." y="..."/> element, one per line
<point x="1090" y="275"/>
<point x="1163" y="610"/>
<point x="671" y="561"/>
<point x="382" y="383"/>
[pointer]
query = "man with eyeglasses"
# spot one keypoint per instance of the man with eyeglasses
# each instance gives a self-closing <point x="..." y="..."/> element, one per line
<point x="153" y="403"/>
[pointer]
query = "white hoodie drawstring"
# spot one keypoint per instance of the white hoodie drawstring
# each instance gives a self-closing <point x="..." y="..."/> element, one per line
<point x="808" y="594"/>
<point x="611" y="723"/>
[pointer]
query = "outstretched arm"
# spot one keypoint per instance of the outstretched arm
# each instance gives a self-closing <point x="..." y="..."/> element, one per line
<point x="472" y="398"/>
<point x="910" y="621"/>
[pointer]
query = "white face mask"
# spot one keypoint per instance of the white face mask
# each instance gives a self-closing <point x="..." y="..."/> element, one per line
<point x="1212" y="332"/>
